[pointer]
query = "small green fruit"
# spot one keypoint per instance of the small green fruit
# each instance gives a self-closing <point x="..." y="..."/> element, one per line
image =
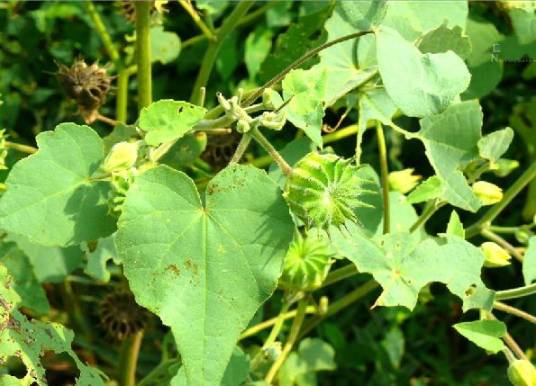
<point x="522" y="373"/>
<point x="323" y="190"/>
<point x="306" y="263"/>
<point x="403" y="180"/>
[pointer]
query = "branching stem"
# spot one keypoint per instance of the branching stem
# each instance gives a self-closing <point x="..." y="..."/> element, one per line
<point x="279" y="160"/>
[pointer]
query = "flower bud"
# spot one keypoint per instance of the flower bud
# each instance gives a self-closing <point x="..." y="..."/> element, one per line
<point x="404" y="180"/>
<point x="242" y="126"/>
<point x="122" y="156"/>
<point x="487" y="192"/>
<point x="496" y="256"/>
<point x="273" y="121"/>
<point x="521" y="372"/>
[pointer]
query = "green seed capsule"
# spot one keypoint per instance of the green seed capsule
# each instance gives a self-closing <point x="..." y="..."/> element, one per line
<point x="522" y="373"/>
<point x="323" y="190"/>
<point x="306" y="264"/>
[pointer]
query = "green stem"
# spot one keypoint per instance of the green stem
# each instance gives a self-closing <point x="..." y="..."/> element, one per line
<point x="291" y="340"/>
<point x="300" y="61"/>
<point x="197" y="19"/>
<point x="247" y="19"/>
<point x="340" y="304"/>
<point x="516" y="292"/>
<point x="276" y="329"/>
<point x="109" y="46"/>
<point x="214" y="47"/>
<point x="382" y="153"/>
<point x="514" y="311"/>
<point x="143" y="53"/>
<point x="502" y="242"/>
<point x="425" y="216"/>
<point x="20" y="147"/>
<point x="122" y="96"/>
<point x="241" y="148"/>
<point x="340" y="274"/>
<point x="509" y="195"/>
<point x="500" y="229"/>
<point x="128" y="359"/>
<point x="254" y="330"/>
<point x="279" y="160"/>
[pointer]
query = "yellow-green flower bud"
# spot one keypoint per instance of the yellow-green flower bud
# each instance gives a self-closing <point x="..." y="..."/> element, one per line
<point x="404" y="180"/>
<point x="521" y="372"/>
<point x="242" y="126"/>
<point x="271" y="100"/>
<point x="496" y="256"/>
<point x="273" y="121"/>
<point x="487" y="192"/>
<point x="122" y="156"/>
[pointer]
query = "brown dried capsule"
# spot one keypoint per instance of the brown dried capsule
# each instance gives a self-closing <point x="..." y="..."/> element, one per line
<point x="88" y="85"/>
<point x="121" y="316"/>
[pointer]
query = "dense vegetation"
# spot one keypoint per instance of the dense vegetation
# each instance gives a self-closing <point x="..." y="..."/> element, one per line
<point x="289" y="193"/>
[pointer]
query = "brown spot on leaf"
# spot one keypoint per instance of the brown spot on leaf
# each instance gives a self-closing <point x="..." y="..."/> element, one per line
<point x="173" y="269"/>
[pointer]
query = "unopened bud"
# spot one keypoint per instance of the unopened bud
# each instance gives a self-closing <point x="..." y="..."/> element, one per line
<point x="404" y="180"/>
<point x="487" y="192"/>
<point x="496" y="256"/>
<point x="122" y="156"/>
<point x="242" y="126"/>
<point x="522" y="373"/>
<point x="271" y="100"/>
<point x="273" y="121"/>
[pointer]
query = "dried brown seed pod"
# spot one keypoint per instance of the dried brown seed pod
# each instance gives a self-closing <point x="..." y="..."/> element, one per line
<point x="120" y="315"/>
<point x="87" y="84"/>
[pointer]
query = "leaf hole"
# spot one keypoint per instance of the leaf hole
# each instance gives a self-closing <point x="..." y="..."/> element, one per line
<point x="15" y="366"/>
<point x="61" y="369"/>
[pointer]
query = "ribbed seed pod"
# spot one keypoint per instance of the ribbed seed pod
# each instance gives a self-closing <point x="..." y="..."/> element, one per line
<point x="88" y="85"/>
<point x="120" y="315"/>
<point x="323" y="190"/>
<point x="306" y="263"/>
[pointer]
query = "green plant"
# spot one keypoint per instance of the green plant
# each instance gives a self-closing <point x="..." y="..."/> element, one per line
<point x="205" y="269"/>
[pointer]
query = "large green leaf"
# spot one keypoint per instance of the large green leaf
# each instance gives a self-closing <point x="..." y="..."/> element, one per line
<point x="52" y="198"/>
<point x="350" y="63"/>
<point x="484" y="62"/>
<point x="204" y="269"/>
<point x="486" y="334"/>
<point x="403" y="265"/>
<point x="165" y="45"/>
<point x="414" y="18"/>
<point x="529" y="262"/>
<point x="312" y="356"/>
<point x="28" y="340"/>
<point x="306" y="90"/>
<point x="167" y="120"/>
<point x="451" y="141"/>
<point x="420" y="84"/>
<point x="24" y="281"/>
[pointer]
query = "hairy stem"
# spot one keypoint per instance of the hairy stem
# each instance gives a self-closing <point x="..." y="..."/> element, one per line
<point x="300" y="61"/>
<point x="109" y="46"/>
<point x="254" y="330"/>
<point x="188" y="7"/>
<point x="509" y="195"/>
<point x="121" y="106"/>
<point x="20" y="147"/>
<point x="279" y="160"/>
<point x="241" y="148"/>
<point x="516" y="292"/>
<point x="514" y="311"/>
<point x="214" y="47"/>
<point x="340" y="274"/>
<point x="382" y="154"/>
<point x="425" y="216"/>
<point x="128" y="359"/>
<point x="143" y="53"/>
<point x="291" y="340"/>
<point x="340" y="305"/>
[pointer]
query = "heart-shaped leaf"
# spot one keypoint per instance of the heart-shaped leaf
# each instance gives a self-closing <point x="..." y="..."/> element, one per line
<point x="204" y="269"/>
